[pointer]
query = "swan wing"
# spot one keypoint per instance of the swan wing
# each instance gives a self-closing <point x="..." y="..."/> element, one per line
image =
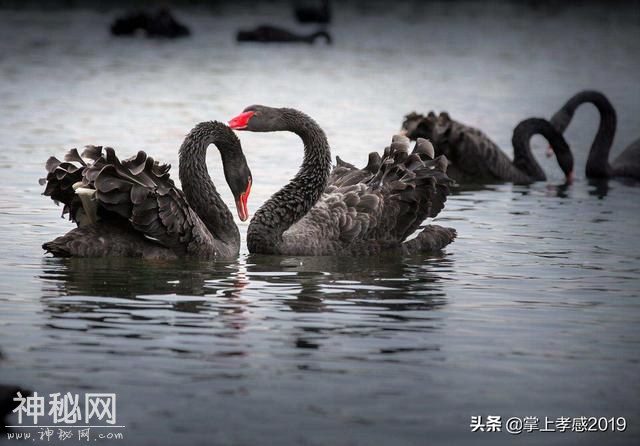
<point x="381" y="204"/>
<point x="628" y="162"/>
<point x="477" y="155"/>
<point x="139" y="190"/>
<point x="473" y="154"/>
<point x="59" y="182"/>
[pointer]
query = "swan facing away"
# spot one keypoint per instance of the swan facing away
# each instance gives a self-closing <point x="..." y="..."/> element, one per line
<point x="348" y="211"/>
<point x="132" y="208"/>
<point x="475" y="158"/>
<point x="627" y="164"/>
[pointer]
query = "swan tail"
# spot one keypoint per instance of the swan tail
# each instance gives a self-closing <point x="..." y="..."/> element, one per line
<point x="346" y="174"/>
<point x="140" y="191"/>
<point x="432" y="239"/>
<point x="60" y="180"/>
<point x="391" y="197"/>
<point x="137" y="190"/>
<point x="415" y="185"/>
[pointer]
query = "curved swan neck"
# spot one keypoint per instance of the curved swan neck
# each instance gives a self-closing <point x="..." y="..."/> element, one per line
<point x="597" y="163"/>
<point x="197" y="185"/>
<point x="294" y="200"/>
<point x="524" y="159"/>
<point x="317" y="154"/>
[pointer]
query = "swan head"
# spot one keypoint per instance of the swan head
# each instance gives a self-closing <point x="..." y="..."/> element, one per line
<point x="259" y="118"/>
<point x="235" y="167"/>
<point x="238" y="176"/>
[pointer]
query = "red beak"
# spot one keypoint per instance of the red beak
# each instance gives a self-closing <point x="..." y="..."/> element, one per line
<point x="241" y="121"/>
<point x="241" y="203"/>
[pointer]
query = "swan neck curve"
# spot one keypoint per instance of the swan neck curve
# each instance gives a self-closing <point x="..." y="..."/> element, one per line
<point x="521" y="146"/>
<point x="293" y="201"/>
<point x="198" y="187"/>
<point x="523" y="158"/>
<point x="597" y="162"/>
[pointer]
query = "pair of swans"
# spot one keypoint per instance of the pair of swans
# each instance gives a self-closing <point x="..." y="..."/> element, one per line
<point x="475" y="157"/>
<point x="627" y="164"/>
<point x="132" y="208"/>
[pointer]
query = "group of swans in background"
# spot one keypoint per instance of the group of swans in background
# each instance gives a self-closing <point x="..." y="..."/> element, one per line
<point x="627" y="164"/>
<point x="162" y="24"/>
<point x="132" y="208"/>
<point x="305" y="12"/>
<point x="475" y="158"/>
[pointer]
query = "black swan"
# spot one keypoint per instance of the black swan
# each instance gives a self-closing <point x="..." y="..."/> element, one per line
<point x="348" y="211"/>
<point x="132" y="208"/>
<point x="158" y="24"/>
<point x="273" y="34"/>
<point x="129" y="24"/>
<point x="476" y="159"/>
<point x="627" y="164"/>
<point x="309" y="14"/>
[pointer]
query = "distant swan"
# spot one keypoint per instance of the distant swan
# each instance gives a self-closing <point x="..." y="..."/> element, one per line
<point x="476" y="158"/>
<point x="273" y="34"/>
<point x="158" y="24"/>
<point x="627" y="164"/>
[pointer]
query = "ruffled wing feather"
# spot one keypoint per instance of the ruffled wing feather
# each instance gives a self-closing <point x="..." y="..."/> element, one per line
<point x="138" y="189"/>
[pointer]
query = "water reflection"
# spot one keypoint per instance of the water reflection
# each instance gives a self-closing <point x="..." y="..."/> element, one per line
<point x="600" y="187"/>
<point x="540" y="286"/>
<point x="199" y="294"/>
<point x="560" y="190"/>
<point x="122" y="277"/>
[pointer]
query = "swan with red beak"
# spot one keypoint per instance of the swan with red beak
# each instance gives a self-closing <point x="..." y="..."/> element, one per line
<point x="345" y="196"/>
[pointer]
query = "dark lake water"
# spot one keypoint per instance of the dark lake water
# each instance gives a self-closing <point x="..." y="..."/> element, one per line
<point x="533" y="311"/>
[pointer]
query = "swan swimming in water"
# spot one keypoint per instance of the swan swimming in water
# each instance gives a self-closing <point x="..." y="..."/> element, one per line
<point x="132" y="208"/>
<point x="475" y="158"/>
<point x="627" y="164"/>
<point x="274" y="34"/>
<point x="348" y="211"/>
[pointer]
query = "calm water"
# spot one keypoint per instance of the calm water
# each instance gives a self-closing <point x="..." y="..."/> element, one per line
<point x="534" y="310"/>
